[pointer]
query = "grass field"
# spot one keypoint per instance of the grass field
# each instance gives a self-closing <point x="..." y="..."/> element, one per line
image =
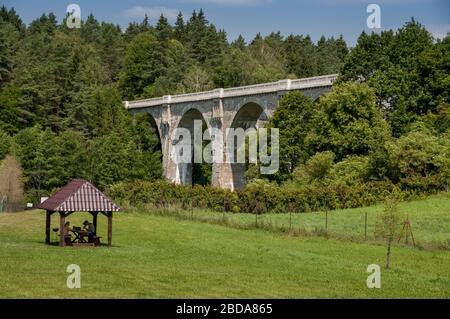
<point x="429" y="218"/>
<point x="158" y="257"/>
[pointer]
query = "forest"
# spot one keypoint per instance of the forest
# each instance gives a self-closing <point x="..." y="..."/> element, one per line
<point x="387" y="119"/>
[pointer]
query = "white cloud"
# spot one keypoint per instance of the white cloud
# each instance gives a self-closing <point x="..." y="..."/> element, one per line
<point x="438" y="30"/>
<point x="153" y="13"/>
<point x="232" y="2"/>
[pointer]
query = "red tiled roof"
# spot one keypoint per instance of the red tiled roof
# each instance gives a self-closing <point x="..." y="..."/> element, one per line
<point x="79" y="196"/>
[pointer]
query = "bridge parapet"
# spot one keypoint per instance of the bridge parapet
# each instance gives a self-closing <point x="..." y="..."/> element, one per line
<point x="283" y="85"/>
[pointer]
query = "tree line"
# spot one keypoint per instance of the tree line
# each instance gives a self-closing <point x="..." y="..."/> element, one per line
<point x="387" y="117"/>
<point x="61" y="93"/>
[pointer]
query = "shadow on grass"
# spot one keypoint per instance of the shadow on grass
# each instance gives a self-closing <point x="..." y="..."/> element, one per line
<point x="56" y="244"/>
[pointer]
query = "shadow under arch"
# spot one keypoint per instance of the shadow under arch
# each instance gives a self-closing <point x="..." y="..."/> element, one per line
<point x="250" y="115"/>
<point x="150" y="141"/>
<point x="316" y="100"/>
<point x="191" y="173"/>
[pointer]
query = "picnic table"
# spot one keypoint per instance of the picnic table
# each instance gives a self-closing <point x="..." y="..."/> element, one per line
<point x="80" y="236"/>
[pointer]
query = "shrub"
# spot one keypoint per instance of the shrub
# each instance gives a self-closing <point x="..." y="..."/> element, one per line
<point x="11" y="186"/>
<point x="262" y="197"/>
<point x="350" y="171"/>
<point x="415" y="153"/>
<point x="315" y="169"/>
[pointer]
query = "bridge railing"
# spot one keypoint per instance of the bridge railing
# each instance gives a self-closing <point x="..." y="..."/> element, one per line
<point x="283" y="85"/>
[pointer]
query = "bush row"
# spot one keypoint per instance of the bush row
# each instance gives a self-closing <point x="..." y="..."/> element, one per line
<point x="265" y="197"/>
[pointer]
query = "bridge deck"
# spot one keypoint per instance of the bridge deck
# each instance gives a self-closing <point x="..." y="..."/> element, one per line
<point x="283" y="85"/>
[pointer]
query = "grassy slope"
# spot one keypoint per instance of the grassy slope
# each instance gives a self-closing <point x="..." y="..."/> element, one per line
<point x="165" y="257"/>
<point x="430" y="220"/>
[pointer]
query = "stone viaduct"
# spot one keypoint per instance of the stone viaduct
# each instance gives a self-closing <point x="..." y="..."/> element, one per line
<point x="247" y="106"/>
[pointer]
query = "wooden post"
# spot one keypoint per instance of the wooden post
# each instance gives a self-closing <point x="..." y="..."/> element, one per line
<point x="365" y="227"/>
<point x="290" y="220"/>
<point x="94" y="221"/>
<point x="62" y="221"/>
<point x="47" y="226"/>
<point x="412" y="236"/>
<point x="110" y="214"/>
<point x="407" y="231"/>
<point x="401" y="233"/>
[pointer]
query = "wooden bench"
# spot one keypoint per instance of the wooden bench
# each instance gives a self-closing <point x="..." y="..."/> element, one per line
<point x="68" y="240"/>
<point x="96" y="240"/>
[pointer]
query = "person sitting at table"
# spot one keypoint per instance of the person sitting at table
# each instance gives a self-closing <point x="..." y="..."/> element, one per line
<point x="66" y="229"/>
<point x="65" y="232"/>
<point x="90" y="228"/>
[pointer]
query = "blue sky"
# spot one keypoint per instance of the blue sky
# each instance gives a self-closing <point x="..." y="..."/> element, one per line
<point x="248" y="17"/>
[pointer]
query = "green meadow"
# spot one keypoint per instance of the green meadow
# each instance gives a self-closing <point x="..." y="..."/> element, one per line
<point x="166" y="256"/>
<point x="429" y="220"/>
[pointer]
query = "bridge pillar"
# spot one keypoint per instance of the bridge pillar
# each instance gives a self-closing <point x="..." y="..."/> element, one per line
<point x="221" y="170"/>
<point x="169" y="165"/>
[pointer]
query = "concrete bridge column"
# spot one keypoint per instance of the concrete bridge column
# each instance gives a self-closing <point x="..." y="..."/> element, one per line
<point x="221" y="170"/>
<point x="217" y="124"/>
<point x="169" y="165"/>
<point x="223" y="174"/>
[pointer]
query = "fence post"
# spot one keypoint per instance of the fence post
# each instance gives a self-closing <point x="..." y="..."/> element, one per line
<point x="365" y="227"/>
<point x="290" y="220"/>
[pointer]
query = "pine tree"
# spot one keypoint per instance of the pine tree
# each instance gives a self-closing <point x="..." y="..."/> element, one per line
<point x="6" y="52"/>
<point x="90" y="30"/>
<point x="45" y="24"/>
<point x="257" y="38"/>
<point x="239" y="43"/>
<point x="163" y="30"/>
<point x="197" y="32"/>
<point x="180" y="29"/>
<point x="111" y="49"/>
<point x="144" y="63"/>
<point x="10" y="16"/>
<point x="134" y="28"/>
<point x="300" y="55"/>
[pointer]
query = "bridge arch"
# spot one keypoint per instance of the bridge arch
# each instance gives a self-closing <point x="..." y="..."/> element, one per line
<point x="150" y="120"/>
<point x="251" y="115"/>
<point x="190" y="172"/>
<point x="148" y="129"/>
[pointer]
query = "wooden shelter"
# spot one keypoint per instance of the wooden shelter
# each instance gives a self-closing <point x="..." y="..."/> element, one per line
<point x="78" y="196"/>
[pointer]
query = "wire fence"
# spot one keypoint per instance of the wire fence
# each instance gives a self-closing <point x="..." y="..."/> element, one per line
<point x="358" y="226"/>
